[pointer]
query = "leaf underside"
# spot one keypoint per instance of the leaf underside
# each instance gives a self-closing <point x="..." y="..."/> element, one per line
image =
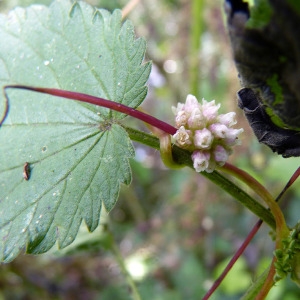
<point x="77" y="153"/>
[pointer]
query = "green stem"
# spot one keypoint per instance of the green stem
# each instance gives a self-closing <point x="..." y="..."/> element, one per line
<point x="118" y="256"/>
<point x="112" y="246"/>
<point x="265" y="283"/>
<point x="257" y="286"/>
<point x="262" y="286"/>
<point x="268" y="283"/>
<point x="282" y="230"/>
<point x="195" y="44"/>
<point x="165" y="146"/>
<point x="183" y="157"/>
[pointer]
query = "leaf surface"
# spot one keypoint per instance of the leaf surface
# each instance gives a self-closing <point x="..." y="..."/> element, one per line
<point x="77" y="153"/>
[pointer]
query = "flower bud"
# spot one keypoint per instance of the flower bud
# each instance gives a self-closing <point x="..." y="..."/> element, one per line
<point x="196" y="119"/>
<point x="204" y="132"/>
<point x="182" y="137"/>
<point x="220" y="155"/>
<point x="218" y="130"/>
<point x="200" y="160"/>
<point x="210" y="110"/>
<point x="227" y="119"/>
<point x="191" y="103"/>
<point x="203" y="139"/>
<point x="180" y="107"/>
<point x="181" y="119"/>
<point x="231" y="136"/>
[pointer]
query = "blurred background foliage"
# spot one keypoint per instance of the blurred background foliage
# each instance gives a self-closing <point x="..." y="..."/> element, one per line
<point x="175" y="230"/>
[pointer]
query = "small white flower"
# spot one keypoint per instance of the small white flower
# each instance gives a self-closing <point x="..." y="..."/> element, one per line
<point x="200" y="160"/>
<point x="204" y="132"/>
<point x="181" y="118"/>
<point x="191" y="103"/>
<point x="203" y="139"/>
<point x="220" y="155"/>
<point x="196" y="119"/>
<point x="227" y="119"/>
<point x="182" y="137"/>
<point x="218" y="130"/>
<point x="180" y="107"/>
<point x="211" y="167"/>
<point x="210" y="110"/>
<point x="231" y="136"/>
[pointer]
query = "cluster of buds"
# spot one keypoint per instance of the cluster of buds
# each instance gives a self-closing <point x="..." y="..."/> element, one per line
<point x="205" y="133"/>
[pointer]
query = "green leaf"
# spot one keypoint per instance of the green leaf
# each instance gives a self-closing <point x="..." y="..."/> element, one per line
<point x="77" y="153"/>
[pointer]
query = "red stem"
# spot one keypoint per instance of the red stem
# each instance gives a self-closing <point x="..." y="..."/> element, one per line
<point x="247" y="241"/>
<point x="96" y="101"/>
<point x="269" y="282"/>
<point x="235" y="257"/>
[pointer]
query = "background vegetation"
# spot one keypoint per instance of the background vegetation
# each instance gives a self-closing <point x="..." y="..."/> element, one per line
<point x="175" y="229"/>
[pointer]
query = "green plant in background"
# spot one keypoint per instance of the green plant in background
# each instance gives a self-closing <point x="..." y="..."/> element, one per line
<point x="62" y="162"/>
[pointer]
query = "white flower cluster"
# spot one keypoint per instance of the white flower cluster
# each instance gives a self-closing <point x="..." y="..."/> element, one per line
<point x="204" y="132"/>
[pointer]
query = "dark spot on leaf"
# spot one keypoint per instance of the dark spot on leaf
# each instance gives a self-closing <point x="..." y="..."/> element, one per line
<point x="26" y="171"/>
